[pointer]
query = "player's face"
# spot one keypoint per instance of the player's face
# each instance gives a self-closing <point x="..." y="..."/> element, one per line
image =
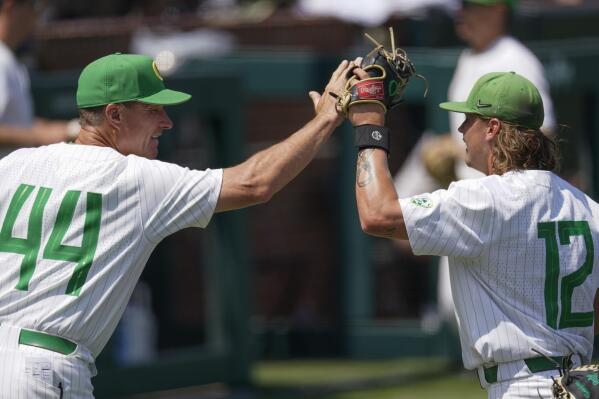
<point x="474" y="131"/>
<point x="479" y="25"/>
<point x="141" y="126"/>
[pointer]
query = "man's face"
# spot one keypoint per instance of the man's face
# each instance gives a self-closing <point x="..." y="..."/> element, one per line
<point x="140" y="127"/>
<point x="479" y="25"/>
<point x="474" y="131"/>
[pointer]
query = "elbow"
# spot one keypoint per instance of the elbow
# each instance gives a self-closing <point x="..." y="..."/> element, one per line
<point x="257" y="187"/>
<point x="378" y="223"/>
<point x="258" y="191"/>
<point x="374" y="224"/>
<point x="262" y="194"/>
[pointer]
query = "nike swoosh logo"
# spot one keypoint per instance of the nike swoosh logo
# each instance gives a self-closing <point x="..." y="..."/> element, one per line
<point x="482" y="105"/>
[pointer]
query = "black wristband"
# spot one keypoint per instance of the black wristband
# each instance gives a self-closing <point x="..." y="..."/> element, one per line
<point x="372" y="136"/>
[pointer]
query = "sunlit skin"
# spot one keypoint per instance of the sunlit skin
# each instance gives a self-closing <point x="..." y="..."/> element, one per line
<point x="140" y="127"/>
<point x="479" y="134"/>
<point x="132" y="128"/>
<point x="378" y="205"/>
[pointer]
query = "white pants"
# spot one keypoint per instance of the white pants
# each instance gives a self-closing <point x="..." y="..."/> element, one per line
<point x="535" y="386"/>
<point x="28" y="372"/>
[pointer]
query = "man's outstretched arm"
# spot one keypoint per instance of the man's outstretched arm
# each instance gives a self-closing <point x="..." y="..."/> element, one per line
<point x="265" y="173"/>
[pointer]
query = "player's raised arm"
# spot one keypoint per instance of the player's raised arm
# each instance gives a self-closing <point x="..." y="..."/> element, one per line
<point x="378" y="205"/>
<point x="265" y="173"/>
<point x="375" y="87"/>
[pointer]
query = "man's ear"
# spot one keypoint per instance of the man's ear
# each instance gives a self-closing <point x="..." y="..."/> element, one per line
<point x="112" y="113"/>
<point x="493" y="128"/>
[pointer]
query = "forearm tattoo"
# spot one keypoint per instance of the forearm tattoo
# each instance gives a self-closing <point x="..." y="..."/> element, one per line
<point x="364" y="168"/>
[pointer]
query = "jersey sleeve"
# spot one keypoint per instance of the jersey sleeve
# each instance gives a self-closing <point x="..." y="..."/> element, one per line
<point x="454" y="222"/>
<point x="173" y="197"/>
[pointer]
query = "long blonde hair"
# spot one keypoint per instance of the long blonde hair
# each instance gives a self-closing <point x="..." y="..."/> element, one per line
<point x="517" y="148"/>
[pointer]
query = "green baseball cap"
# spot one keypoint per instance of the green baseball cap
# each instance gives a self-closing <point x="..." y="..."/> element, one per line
<point x="506" y="96"/>
<point x="120" y="77"/>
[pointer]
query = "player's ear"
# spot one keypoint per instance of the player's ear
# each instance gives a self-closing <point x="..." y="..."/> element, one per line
<point x="112" y="113"/>
<point x="493" y="129"/>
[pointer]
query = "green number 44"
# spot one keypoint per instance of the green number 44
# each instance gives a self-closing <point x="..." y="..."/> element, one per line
<point x="54" y="250"/>
<point x="565" y="230"/>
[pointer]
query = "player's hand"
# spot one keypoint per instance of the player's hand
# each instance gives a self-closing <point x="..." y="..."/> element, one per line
<point x="50" y="132"/>
<point x="365" y="114"/>
<point x="326" y="104"/>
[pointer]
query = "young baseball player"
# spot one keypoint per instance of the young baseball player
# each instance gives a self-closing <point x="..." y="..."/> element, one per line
<point x="435" y="161"/>
<point x="520" y="240"/>
<point x="79" y="221"/>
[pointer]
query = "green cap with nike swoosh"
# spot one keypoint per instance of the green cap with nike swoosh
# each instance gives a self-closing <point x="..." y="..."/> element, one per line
<point x="506" y="96"/>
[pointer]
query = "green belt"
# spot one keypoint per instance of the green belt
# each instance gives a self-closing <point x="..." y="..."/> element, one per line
<point x="46" y="341"/>
<point x="534" y="364"/>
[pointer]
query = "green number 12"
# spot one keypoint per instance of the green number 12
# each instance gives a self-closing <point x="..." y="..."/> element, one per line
<point x="29" y="247"/>
<point x="565" y="230"/>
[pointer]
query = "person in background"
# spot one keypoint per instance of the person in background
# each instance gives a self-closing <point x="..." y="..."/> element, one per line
<point x="18" y="125"/>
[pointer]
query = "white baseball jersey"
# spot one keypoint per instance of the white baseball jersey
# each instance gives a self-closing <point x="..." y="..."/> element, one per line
<point x="77" y="225"/>
<point x="521" y="260"/>
<point x="505" y="55"/>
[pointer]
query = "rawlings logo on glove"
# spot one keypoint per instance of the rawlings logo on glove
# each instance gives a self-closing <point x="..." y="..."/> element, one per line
<point x="369" y="90"/>
<point x="389" y="73"/>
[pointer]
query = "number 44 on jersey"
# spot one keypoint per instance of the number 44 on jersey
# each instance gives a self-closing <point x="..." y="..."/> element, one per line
<point x="29" y="247"/>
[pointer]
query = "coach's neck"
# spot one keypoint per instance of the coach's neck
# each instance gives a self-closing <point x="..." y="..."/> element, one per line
<point x="98" y="136"/>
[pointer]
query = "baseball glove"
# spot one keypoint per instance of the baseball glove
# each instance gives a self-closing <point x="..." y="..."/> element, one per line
<point x="389" y="73"/>
<point x="439" y="155"/>
<point x="577" y="383"/>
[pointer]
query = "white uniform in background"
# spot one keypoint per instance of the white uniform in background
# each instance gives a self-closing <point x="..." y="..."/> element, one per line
<point x="506" y="54"/>
<point x="521" y="253"/>
<point x="78" y="224"/>
<point x="16" y="106"/>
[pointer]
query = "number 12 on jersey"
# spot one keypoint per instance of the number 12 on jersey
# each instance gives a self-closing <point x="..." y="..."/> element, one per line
<point x="29" y="247"/>
<point x="565" y="230"/>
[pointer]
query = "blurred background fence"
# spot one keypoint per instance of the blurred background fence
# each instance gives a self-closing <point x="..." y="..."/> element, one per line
<point x="296" y="277"/>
